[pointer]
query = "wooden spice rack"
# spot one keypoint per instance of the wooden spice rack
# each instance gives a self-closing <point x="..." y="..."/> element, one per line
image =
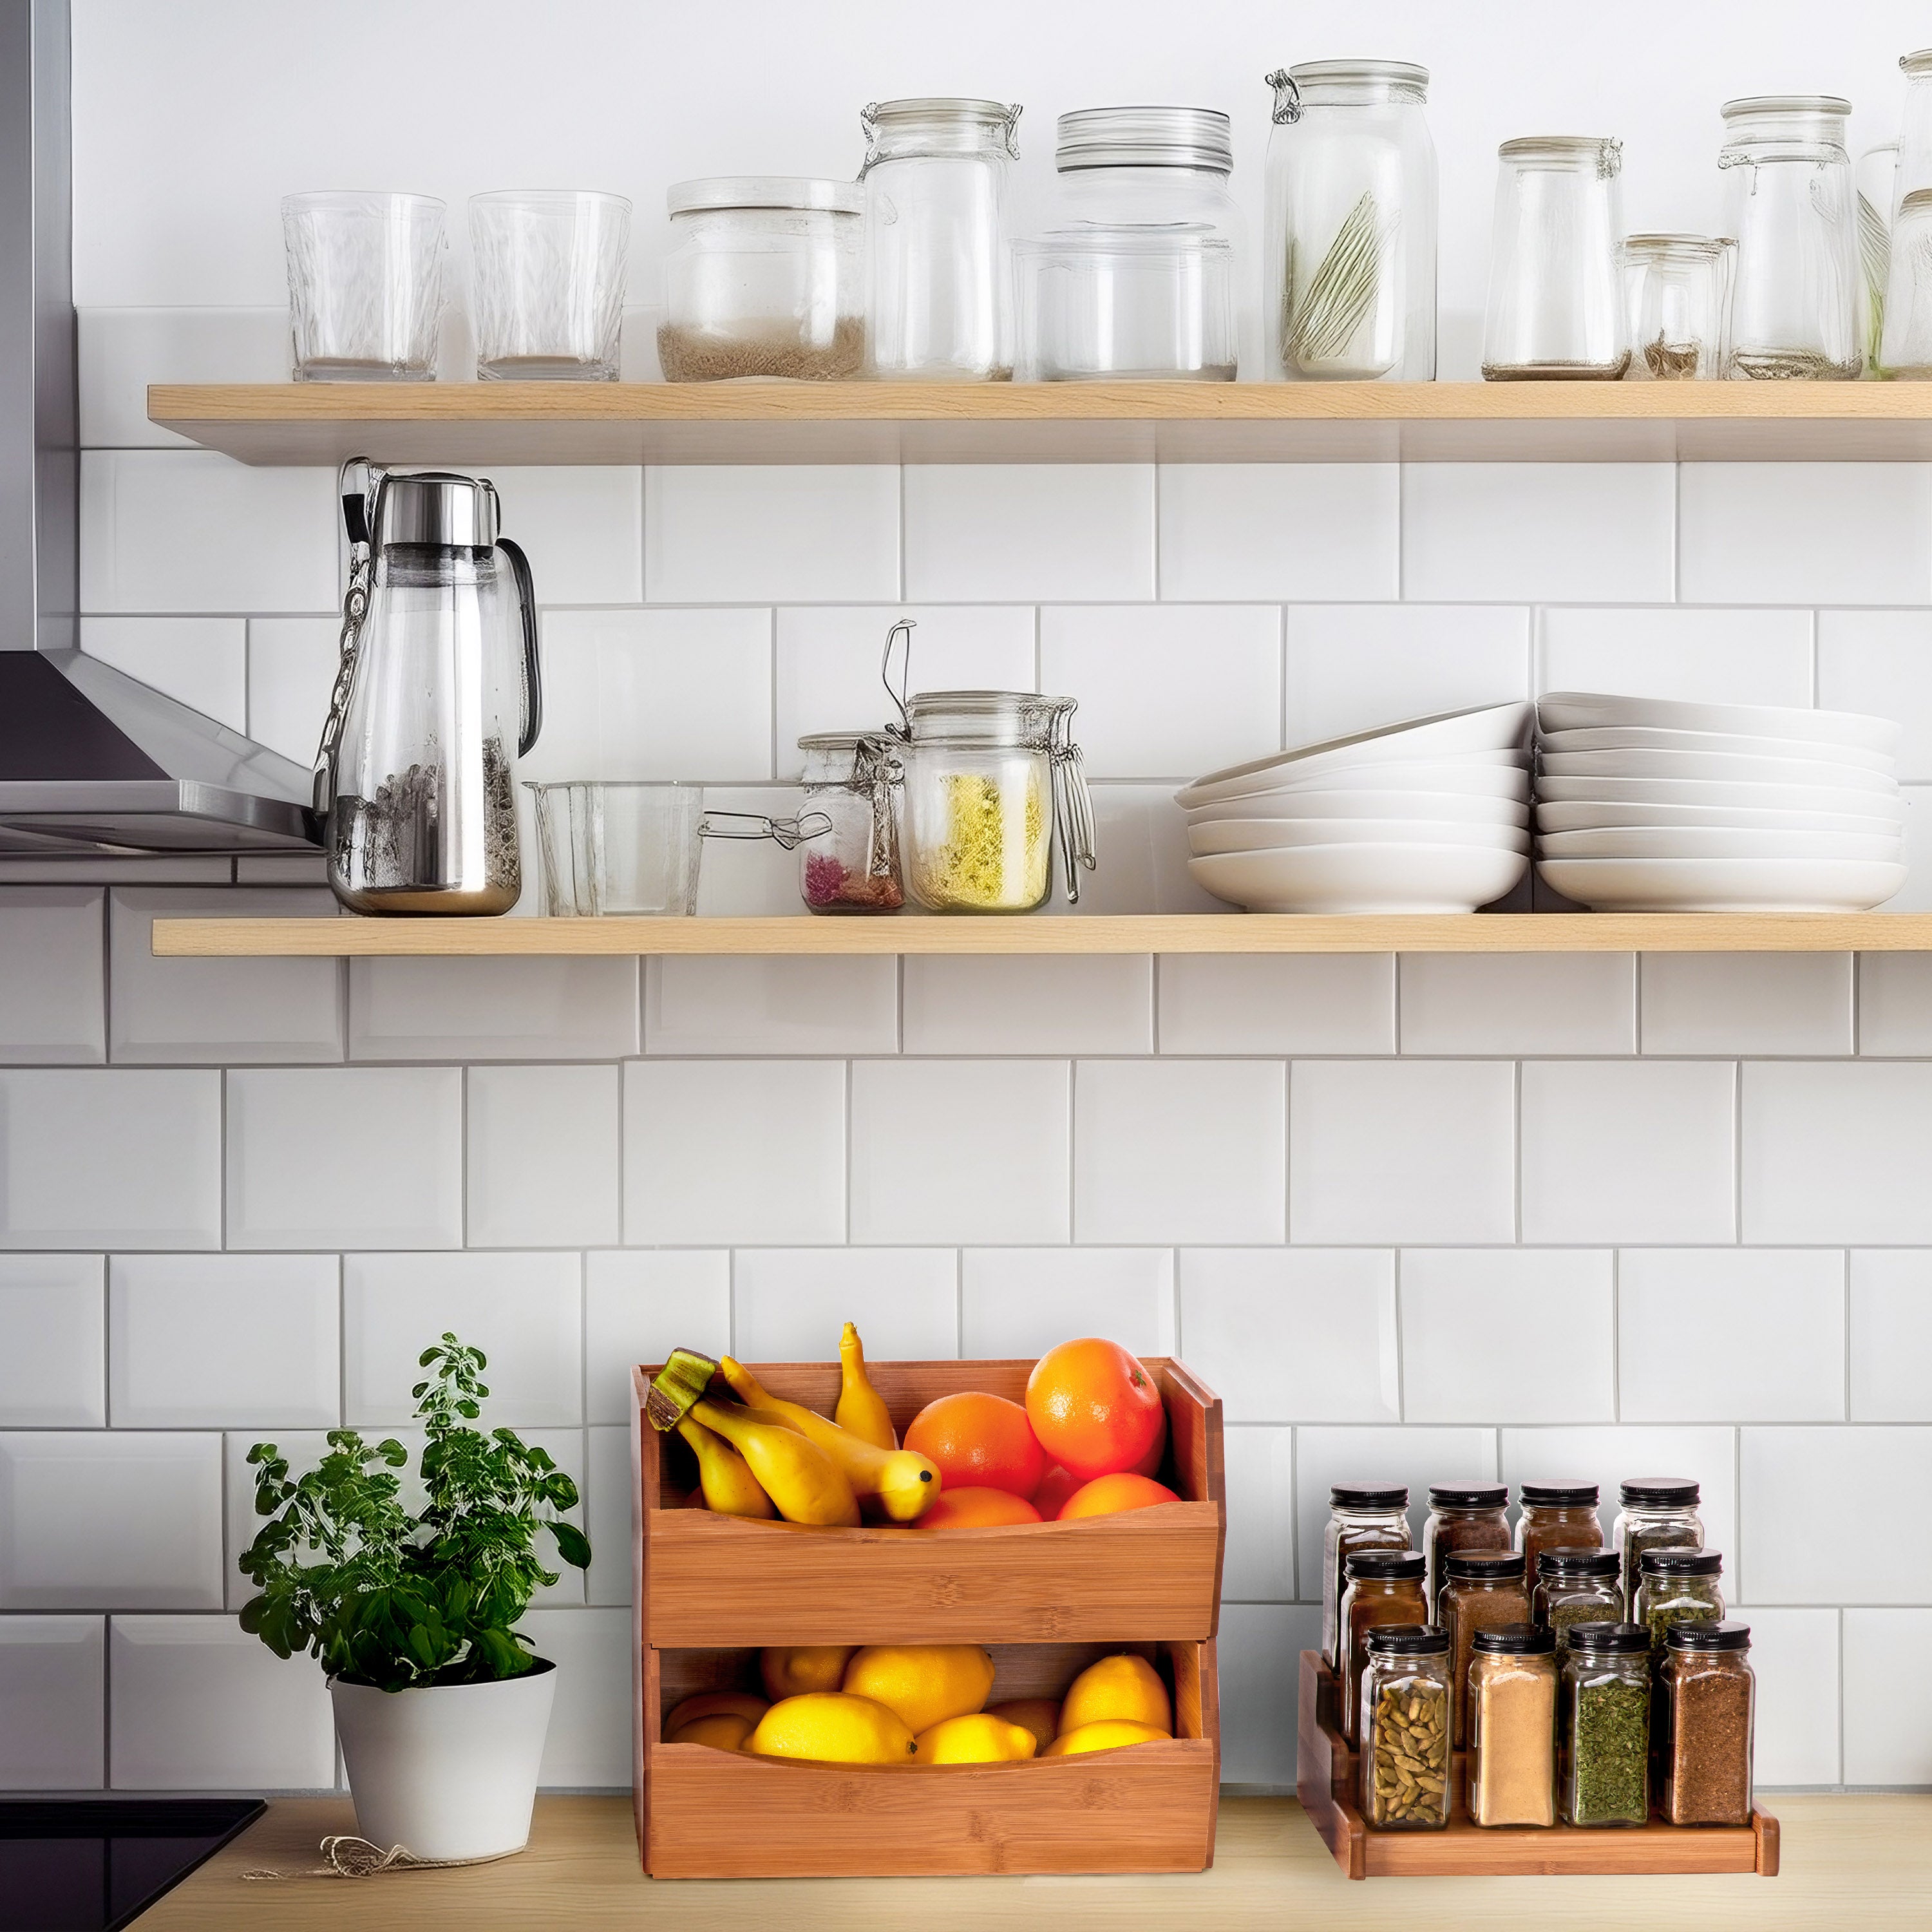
<point x="1047" y="1599"/>
<point x="1328" y="1777"/>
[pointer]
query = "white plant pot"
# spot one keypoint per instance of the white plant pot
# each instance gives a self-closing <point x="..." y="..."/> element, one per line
<point x="449" y="1771"/>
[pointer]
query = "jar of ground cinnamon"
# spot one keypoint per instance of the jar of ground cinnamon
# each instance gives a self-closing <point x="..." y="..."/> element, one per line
<point x="1556" y="1515"/>
<point x="1384" y="1587"/>
<point x="1462" y="1515"/>
<point x="1482" y="1587"/>
<point x="1512" y="1717"/>
<point x="1710" y="1692"/>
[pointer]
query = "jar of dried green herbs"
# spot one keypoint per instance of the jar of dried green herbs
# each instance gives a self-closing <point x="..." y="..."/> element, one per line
<point x="1556" y="1515"/>
<point x="1710" y="1694"/>
<point x="1403" y="1721"/>
<point x="1576" y="1586"/>
<point x="1656" y="1513"/>
<point x="1603" y="1736"/>
<point x="1361" y="1515"/>
<point x="1384" y="1587"/>
<point x="1481" y="1588"/>
<point x="1677" y="1586"/>
<point x="1462" y="1515"/>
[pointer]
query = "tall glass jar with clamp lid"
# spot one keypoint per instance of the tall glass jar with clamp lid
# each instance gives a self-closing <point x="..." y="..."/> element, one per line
<point x="1348" y="286"/>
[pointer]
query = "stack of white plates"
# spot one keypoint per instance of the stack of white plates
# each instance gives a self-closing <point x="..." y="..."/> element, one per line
<point x="1645" y="804"/>
<point x="1428" y="816"/>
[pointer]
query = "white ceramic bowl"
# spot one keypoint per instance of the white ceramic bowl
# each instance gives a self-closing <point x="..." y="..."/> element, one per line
<point x="1582" y="710"/>
<point x="1683" y="841"/>
<point x="1508" y="777"/>
<point x="1642" y="738"/>
<point x="1260" y="834"/>
<point x="1881" y="801"/>
<point x="1449" y="808"/>
<point x="1361" y="878"/>
<point x="1713" y="766"/>
<point x="1721" y="885"/>
<point x="1558" y="815"/>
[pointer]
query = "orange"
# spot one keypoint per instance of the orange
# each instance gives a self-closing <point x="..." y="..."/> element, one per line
<point x="709" y="1703"/>
<point x="1095" y="1409"/>
<point x="979" y="1442"/>
<point x="975" y="1509"/>
<point x="723" y="1730"/>
<point x="1107" y="1495"/>
<point x="1040" y="1715"/>
<point x="1055" y="1487"/>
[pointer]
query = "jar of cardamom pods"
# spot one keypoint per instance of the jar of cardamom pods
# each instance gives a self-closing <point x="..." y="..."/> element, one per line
<point x="1403" y="1721"/>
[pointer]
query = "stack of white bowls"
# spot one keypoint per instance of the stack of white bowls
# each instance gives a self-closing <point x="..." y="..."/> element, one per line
<point x="1428" y="816"/>
<point x="1645" y="804"/>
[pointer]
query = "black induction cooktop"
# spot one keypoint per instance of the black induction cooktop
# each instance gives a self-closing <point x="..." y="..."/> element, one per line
<point x="95" y="1864"/>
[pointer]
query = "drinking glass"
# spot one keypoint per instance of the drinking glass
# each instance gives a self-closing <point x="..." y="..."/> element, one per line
<point x="365" y="285"/>
<point x="549" y="284"/>
<point x="1674" y="288"/>
<point x="617" y="848"/>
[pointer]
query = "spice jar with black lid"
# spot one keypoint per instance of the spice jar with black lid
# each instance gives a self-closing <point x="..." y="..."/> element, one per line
<point x="1361" y="1515"/>
<point x="1710" y="1694"/>
<point x="1656" y="1513"/>
<point x="1576" y="1586"/>
<point x="1556" y="1515"/>
<point x="1603" y="1738"/>
<point x="1677" y="1586"/>
<point x="1462" y="1515"/>
<point x="1512" y="1710"/>
<point x="1403" y="1722"/>
<point x="1384" y="1587"/>
<point x="1481" y="1587"/>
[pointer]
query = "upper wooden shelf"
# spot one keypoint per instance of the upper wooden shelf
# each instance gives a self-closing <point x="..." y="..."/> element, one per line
<point x="470" y="423"/>
<point x="1153" y="932"/>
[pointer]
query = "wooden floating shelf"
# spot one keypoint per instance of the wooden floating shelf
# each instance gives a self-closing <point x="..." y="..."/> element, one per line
<point x="1147" y="932"/>
<point x="283" y="423"/>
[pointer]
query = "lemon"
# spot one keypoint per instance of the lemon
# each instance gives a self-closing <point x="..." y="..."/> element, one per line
<point x="789" y="1669"/>
<point x="707" y="1702"/>
<point x="976" y="1739"/>
<point x="1040" y="1715"/>
<point x="834" y="1728"/>
<point x="1105" y="1734"/>
<point x="925" y="1683"/>
<point x="722" y="1730"/>
<point x="1125" y="1687"/>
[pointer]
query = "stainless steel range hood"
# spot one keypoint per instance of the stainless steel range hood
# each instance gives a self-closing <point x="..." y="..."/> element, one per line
<point x="90" y="760"/>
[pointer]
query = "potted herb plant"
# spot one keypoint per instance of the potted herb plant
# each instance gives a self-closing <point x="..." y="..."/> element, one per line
<point x="440" y="1703"/>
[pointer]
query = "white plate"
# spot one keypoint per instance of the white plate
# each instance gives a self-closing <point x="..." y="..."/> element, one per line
<point x="1684" y="841"/>
<point x="1450" y="807"/>
<point x="1878" y="803"/>
<point x="1560" y="815"/>
<point x="1447" y="734"/>
<point x="1727" y="744"/>
<point x="1361" y="878"/>
<point x="1714" y="767"/>
<point x="1721" y="885"/>
<point x="1260" y="834"/>
<point x="1507" y="777"/>
<point x="1582" y="710"/>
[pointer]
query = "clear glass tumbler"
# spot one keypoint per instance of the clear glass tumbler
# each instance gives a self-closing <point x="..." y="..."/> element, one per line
<point x="617" y="848"/>
<point x="549" y="272"/>
<point x="1674" y="287"/>
<point x="365" y="285"/>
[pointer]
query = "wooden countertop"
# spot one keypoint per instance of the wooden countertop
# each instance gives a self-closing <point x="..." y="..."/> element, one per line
<point x="1860" y="1863"/>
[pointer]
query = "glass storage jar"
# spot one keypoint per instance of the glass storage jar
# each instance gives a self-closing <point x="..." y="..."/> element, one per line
<point x="1905" y="348"/>
<point x="1481" y="1587"/>
<point x="1674" y="307"/>
<point x="1576" y="1586"/>
<point x="766" y="276"/>
<point x="1384" y="1586"/>
<point x="1914" y="142"/>
<point x="1361" y="1515"/>
<point x="1710" y="1698"/>
<point x="1404" y="1725"/>
<point x="1556" y="1515"/>
<point x="1875" y="180"/>
<point x="938" y="278"/>
<point x="1654" y="1513"/>
<point x="1349" y="283"/>
<point x="1123" y="304"/>
<point x="1677" y="1586"/>
<point x="1462" y="1515"/>
<point x="1555" y="303"/>
<point x="1788" y="199"/>
<point x="1602" y="1736"/>
<point x="1512" y="1707"/>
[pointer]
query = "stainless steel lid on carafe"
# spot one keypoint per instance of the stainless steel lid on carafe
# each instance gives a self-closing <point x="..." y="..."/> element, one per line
<point x="435" y="506"/>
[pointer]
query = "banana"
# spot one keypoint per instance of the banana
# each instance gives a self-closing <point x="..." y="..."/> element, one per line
<point x="805" y="1482"/>
<point x="904" y="1482"/>
<point x="729" y="1486"/>
<point x="862" y="1409"/>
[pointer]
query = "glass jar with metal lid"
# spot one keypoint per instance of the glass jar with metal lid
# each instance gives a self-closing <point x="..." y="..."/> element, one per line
<point x="1512" y="1727"/>
<point x="1603" y="1734"/>
<point x="1403" y="1722"/>
<point x="1361" y="1515"/>
<point x="1480" y="1587"/>
<point x="1677" y="1586"/>
<point x="1709" y="1697"/>
<point x="1576" y="1586"/>
<point x="1462" y="1515"/>
<point x="765" y="276"/>
<point x="1384" y="1586"/>
<point x="1656" y="1513"/>
<point x="1556" y="1515"/>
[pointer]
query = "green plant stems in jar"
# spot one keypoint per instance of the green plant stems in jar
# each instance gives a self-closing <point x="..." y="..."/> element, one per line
<point x="1384" y="1587"/>
<point x="1656" y="1513"/>
<point x="1361" y="1515"/>
<point x="1462" y="1515"/>
<point x="1482" y="1587"/>
<point x="1603" y="1738"/>
<point x="1556" y="1515"/>
<point x="1576" y="1586"/>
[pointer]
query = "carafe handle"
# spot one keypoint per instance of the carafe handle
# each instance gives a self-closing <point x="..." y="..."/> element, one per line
<point x="526" y="603"/>
<point x="358" y="507"/>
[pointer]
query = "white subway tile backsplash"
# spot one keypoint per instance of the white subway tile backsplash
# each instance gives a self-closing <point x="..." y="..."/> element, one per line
<point x="1414" y="1456"/>
<point x="1259" y="1563"/>
<point x="1806" y="533"/>
<point x="50" y="993"/>
<point x="1172" y="1150"/>
<point x="1293" y="1334"/>
<point x="1402" y="1150"/>
<point x="1280" y="530"/>
<point x="1540" y="533"/>
<point x="1836" y="1151"/>
<point x="223" y="1341"/>
<point x="789" y="1304"/>
<point x="52" y="1704"/>
<point x="292" y="663"/>
<point x="53" y="1341"/>
<point x="1894" y="1003"/>
<point x="200" y="1705"/>
<point x="339" y="1157"/>
<point x="122" y="350"/>
<point x="1509" y="1335"/>
<point x="752" y="1004"/>
<point x="1519" y="1002"/>
<point x="1794" y="1656"/>
<point x="1017" y="1004"/>
<point x="1629" y="1151"/>
<point x="91" y="1158"/>
<point x="609" y="1515"/>
<point x="1259" y="1657"/>
<point x="1818" y="1478"/>
<point x="1340" y="1002"/>
<point x="1023" y="1301"/>
<point x="638" y="1306"/>
<point x="588" y="1746"/>
<point x="800" y="533"/>
<point x="525" y="1312"/>
<point x="741" y="876"/>
<point x="1171" y="689"/>
<point x="1757" y="1003"/>
<point x="1890" y="1335"/>
<point x="199" y="661"/>
<point x="1707" y="657"/>
<point x="582" y="528"/>
<point x="1915" y="895"/>
<point x="534" y="1009"/>
<point x="1879" y="662"/>
<point x="730" y="1150"/>
<point x="110" y="1520"/>
<point x="956" y="1150"/>
<point x="1681" y="1311"/>
<point x="1886" y="1739"/>
<point x="998" y="533"/>
<point x="1143" y="867"/>
<point x="542" y="1154"/>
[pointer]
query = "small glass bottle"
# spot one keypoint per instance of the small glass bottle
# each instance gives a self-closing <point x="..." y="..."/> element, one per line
<point x="1674" y="299"/>
<point x="1603" y="1726"/>
<point x="1384" y="1587"/>
<point x="1481" y="1587"/>
<point x="1512" y="1707"/>
<point x="1462" y="1515"/>
<point x="1654" y="1512"/>
<point x="1403" y="1722"/>
<point x="1576" y="1586"/>
<point x="1361" y="1515"/>
<point x="1676" y="1586"/>
<point x="1710" y="1695"/>
<point x="1556" y="1515"/>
